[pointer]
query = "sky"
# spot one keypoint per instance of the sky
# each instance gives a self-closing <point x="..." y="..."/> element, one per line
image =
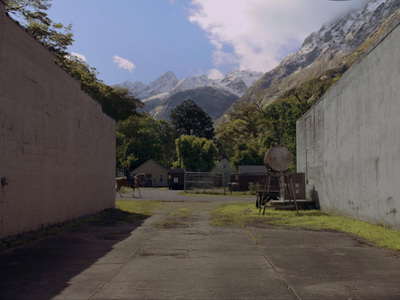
<point x="139" y="40"/>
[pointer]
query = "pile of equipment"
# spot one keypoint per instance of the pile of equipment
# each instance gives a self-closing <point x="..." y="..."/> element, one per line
<point x="283" y="189"/>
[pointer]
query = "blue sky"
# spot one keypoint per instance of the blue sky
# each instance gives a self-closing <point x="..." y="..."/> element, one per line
<point x="138" y="40"/>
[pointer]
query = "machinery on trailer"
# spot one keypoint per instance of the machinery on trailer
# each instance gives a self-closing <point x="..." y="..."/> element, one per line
<point x="283" y="189"/>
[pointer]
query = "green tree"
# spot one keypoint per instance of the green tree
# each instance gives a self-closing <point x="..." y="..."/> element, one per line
<point x="190" y="119"/>
<point x="247" y="154"/>
<point x="243" y="125"/>
<point x="250" y="130"/>
<point x="140" y="138"/>
<point x="115" y="101"/>
<point x="195" y="153"/>
<point x="279" y="119"/>
<point x="167" y="143"/>
<point x="276" y="122"/>
<point x="32" y="15"/>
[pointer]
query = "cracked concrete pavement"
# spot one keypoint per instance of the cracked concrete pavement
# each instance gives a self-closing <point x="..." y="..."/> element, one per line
<point x="184" y="257"/>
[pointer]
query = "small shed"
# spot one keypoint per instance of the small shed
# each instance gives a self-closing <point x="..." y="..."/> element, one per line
<point x="247" y="175"/>
<point x="155" y="174"/>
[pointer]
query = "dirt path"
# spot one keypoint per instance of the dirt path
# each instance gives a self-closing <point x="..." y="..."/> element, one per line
<point x="177" y="254"/>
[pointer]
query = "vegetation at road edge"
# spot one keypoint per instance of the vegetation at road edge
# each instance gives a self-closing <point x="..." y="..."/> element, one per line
<point x="176" y="218"/>
<point x="245" y="214"/>
<point x="140" y="207"/>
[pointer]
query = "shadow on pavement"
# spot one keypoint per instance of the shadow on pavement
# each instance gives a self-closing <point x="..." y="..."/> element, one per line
<point x="44" y="268"/>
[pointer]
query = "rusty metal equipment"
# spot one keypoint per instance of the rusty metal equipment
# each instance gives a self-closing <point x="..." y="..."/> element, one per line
<point x="280" y="184"/>
<point x="278" y="159"/>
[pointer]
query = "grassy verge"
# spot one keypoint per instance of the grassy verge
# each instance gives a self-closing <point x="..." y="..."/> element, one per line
<point x="201" y="193"/>
<point x="242" y="214"/>
<point x="125" y="212"/>
<point x="141" y="207"/>
<point x="176" y="218"/>
<point x="128" y="190"/>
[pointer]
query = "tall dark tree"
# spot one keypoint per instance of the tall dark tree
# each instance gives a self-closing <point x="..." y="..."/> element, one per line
<point x="190" y="119"/>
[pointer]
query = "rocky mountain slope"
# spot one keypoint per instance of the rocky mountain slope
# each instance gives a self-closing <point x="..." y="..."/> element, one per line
<point x="332" y="47"/>
<point x="214" y="96"/>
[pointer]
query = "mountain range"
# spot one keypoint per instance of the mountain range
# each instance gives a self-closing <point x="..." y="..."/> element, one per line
<point x="335" y="46"/>
<point x="214" y="96"/>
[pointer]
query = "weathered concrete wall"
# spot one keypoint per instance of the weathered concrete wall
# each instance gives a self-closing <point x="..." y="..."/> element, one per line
<point x="349" y="143"/>
<point x="57" y="148"/>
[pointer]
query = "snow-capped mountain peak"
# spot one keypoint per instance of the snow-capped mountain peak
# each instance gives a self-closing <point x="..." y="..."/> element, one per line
<point x="162" y="84"/>
<point x="190" y="83"/>
<point x="236" y="82"/>
<point x="158" y="95"/>
<point x="239" y="81"/>
<point x="327" y="49"/>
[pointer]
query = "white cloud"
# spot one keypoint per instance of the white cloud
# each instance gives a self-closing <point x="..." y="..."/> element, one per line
<point x="215" y="74"/>
<point x="124" y="63"/>
<point x="258" y="34"/>
<point x="80" y="56"/>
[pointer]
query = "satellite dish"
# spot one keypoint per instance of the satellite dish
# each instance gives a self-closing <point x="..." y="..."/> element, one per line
<point x="278" y="158"/>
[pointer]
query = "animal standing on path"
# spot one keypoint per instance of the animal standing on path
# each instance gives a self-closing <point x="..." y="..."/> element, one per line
<point x="122" y="182"/>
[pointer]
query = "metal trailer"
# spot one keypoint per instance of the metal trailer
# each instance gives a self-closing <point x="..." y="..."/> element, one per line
<point x="241" y="182"/>
<point x="176" y="179"/>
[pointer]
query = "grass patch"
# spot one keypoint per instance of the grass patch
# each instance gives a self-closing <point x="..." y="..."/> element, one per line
<point x="176" y="218"/>
<point x="201" y="193"/>
<point x="182" y="212"/>
<point x="242" y="214"/>
<point x="171" y="224"/>
<point x="141" y="207"/>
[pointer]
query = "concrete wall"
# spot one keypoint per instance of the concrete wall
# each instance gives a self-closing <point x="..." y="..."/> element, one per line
<point x="348" y="144"/>
<point x="57" y="148"/>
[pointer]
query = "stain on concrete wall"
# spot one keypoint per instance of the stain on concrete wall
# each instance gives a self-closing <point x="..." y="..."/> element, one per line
<point x="57" y="148"/>
<point x="348" y="144"/>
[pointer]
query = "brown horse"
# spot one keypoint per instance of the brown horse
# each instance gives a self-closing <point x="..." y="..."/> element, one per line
<point x="122" y="182"/>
